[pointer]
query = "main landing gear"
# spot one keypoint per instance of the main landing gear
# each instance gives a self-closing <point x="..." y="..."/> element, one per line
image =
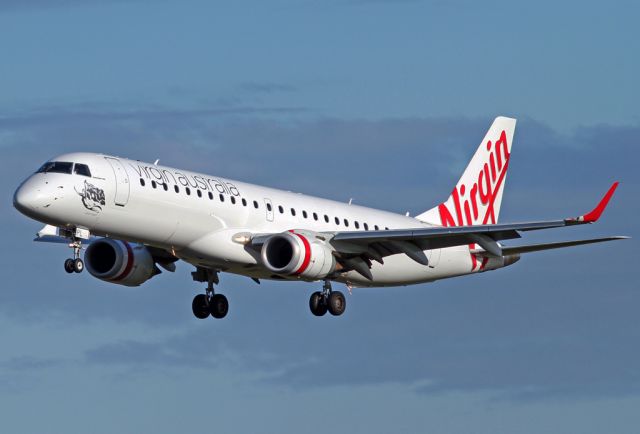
<point x="327" y="300"/>
<point x="209" y="303"/>
<point x="75" y="264"/>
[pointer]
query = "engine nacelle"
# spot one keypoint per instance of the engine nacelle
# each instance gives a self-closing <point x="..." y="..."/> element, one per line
<point x="119" y="262"/>
<point x="298" y="253"/>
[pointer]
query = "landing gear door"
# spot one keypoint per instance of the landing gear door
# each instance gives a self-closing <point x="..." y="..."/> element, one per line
<point x="122" y="181"/>
<point x="269" y="207"/>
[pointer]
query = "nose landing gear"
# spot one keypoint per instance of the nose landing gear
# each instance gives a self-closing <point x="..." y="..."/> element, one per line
<point x="75" y="264"/>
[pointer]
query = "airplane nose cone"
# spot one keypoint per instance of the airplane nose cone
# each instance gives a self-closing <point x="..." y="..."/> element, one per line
<point x="29" y="198"/>
<point x="24" y="199"/>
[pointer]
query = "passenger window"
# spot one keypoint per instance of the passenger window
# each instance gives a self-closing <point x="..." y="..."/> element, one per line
<point x="142" y="182"/>
<point x="269" y="207"/>
<point x="326" y="218"/>
<point x="82" y="169"/>
<point x="221" y="197"/>
<point x="346" y="222"/>
<point x="337" y="220"/>
<point x="176" y="188"/>
<point x="255" y="204"/>
<point x="386" y="228"/>
<point x="366" y="227"/>
<point x="233" y="200"/>
<point x="293" y="212"/>
<point x="210" y="196"/>
<point x="56" y="167"/>
<point x="199" y="193"/>
<point x="165" y="186"/>
<point x="376" y="227"/>
<point x="188" y="190"/>
<point x="244" y="202"/>
<point x="280" y="209"/>
<point x="153" y="184"/>
<point x="315" y="216"/>
<point x="357" y="225"/>
<point x="304" y="214"/>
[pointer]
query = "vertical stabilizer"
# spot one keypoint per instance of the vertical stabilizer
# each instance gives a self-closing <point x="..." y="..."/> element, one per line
<point x="476" y="198"/>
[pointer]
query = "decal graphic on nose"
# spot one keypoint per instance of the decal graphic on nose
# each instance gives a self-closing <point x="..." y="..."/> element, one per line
<point x="92" y="196"/>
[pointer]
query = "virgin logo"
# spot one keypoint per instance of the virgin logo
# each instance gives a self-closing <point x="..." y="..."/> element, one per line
<point x="469" y="202"/>
<point x="475" y="204"/>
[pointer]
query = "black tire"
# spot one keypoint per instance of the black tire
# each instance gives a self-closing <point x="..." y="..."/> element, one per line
<point x="336" y="303"/>
<point x="317" y="305"/>
<point x="200" y="306"/>
<point x="68" y="266"/>
<point x="78" y="265"/>
<point x="219" y="306"/>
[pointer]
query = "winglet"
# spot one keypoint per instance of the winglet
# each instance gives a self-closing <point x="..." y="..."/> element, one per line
<point x="595" y="214"/>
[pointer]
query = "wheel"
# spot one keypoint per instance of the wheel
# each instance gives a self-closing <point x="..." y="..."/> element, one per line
<point x="200" y="306"/>
<point x="336" y="303"/>
<point x="317" y="305"/>
<point x="68" y="266"/>
<point x="78" y="265"/>
<point x="218" y="306"/>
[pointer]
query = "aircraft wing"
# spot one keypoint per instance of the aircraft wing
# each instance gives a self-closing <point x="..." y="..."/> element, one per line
<point x="413" y="241"/>
<point x="356" y="249"/>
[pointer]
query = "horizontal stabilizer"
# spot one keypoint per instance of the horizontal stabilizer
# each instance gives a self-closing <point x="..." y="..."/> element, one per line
<point x="506" y="251"/>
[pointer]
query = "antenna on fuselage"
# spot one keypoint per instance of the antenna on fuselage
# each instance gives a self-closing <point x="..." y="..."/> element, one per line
<point x="156" y="162"/>
<point x="350" y="200"/>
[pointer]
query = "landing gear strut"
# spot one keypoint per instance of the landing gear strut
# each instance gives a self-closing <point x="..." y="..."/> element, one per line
<point x="209" y="303"/>
<point x="75" y="264"/>
<point x="327" y="300"/>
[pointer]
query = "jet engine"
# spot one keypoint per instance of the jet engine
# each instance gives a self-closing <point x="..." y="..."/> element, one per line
<point x="119" y="262"/>
<point x="298" y="253"/>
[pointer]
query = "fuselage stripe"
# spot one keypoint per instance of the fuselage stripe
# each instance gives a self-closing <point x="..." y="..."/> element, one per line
<point x="307" y="254"/>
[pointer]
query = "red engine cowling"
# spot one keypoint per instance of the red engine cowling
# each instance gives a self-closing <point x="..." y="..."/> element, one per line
<point x="119" y="262"/>
<point x="298" y="254"/>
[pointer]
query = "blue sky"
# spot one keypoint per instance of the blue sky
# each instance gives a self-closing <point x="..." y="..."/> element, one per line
<point x="379" y="101"/>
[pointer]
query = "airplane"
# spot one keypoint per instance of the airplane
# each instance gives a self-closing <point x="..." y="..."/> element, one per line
<point x="134" y="218"/>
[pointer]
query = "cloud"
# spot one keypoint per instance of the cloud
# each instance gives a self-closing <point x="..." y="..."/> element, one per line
<point x="134" y="353"/>
<point x="13" y="5"/>
<point x="266" y="87"/>
<point x="21" y="373"/>
<point x="458" y="340"/>
<point x="28" y="363"/>
<point x="98" y="113"/>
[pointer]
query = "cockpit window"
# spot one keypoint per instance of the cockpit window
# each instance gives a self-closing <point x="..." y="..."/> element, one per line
<point x="56" y="167"/>
<point x="82" y="169"/>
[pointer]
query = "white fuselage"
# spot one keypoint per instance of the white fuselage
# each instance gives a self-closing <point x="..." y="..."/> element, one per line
<point x="196" y="216"/>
